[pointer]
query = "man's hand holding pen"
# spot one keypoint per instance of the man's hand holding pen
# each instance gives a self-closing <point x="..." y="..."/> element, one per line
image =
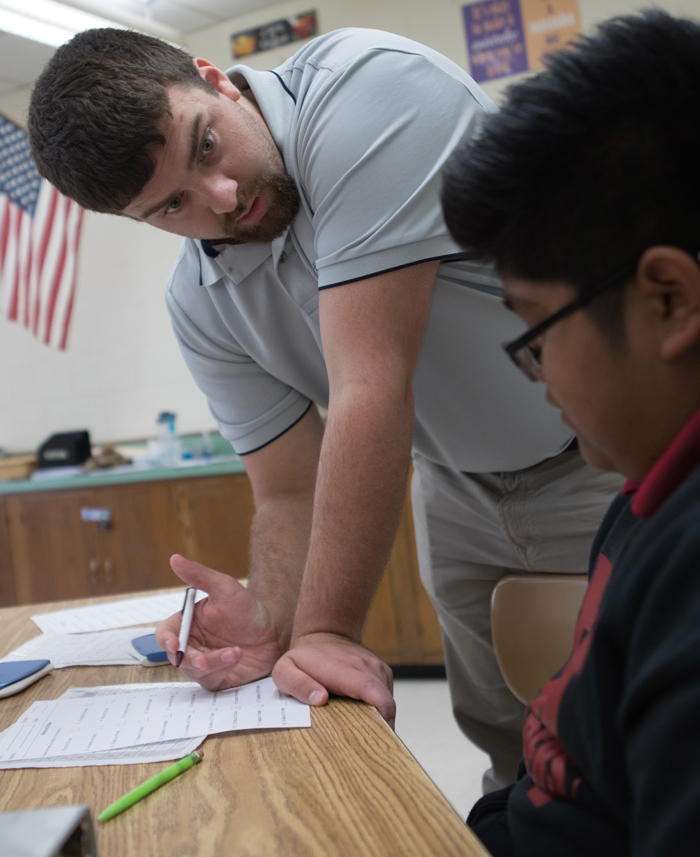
<point x="232" y="640"/>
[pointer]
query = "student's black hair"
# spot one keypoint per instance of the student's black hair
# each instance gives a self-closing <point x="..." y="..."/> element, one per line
<point x="589" y="162"/>
<point x="97" y="110"/>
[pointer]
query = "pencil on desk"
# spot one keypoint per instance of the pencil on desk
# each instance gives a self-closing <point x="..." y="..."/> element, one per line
<point x="135" y="795"/>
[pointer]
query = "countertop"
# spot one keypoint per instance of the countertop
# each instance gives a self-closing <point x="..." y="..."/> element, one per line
<point x="140" y="471"/>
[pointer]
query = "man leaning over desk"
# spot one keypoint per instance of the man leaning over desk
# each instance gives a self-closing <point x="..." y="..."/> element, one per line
<point x="317" y="268"/>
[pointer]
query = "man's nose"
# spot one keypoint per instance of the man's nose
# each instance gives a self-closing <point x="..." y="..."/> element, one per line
<point x="221" y="194"/>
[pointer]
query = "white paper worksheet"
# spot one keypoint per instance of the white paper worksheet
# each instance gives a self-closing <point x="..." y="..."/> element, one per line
<point x="81" y="650"/>
<point x="163" y="751"/>
<point x="94" y="724"/>
<point x="112" y="614"/>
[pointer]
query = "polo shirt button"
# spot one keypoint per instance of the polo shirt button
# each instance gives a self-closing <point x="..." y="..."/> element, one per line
<point x="283" y="257"/>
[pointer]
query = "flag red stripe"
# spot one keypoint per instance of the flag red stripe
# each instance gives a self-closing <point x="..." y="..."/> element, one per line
<point x="4" y="238"/>
<point x="13" y="310"/>
<point x="45" y="237"/>
<point x="38" y="264"/>
<point x="69" y="308"/>
<point x="27" y="282"/>
<point x="58" y="275"/>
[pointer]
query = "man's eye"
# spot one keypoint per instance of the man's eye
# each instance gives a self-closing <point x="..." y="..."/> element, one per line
<point x="173" y="205"/>
<point x="207" y="144"/>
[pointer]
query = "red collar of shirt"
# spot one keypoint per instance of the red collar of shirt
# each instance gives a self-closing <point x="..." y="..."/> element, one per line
<point x="674" y="466"/>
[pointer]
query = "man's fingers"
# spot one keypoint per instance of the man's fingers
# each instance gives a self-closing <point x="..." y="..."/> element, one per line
<point x="345" y="670"/>
<point x="369" y="688"/>
<point x="380" y="697"/>
<point x="198" y="664"/>
<point x="205" y="662"/>
<point x="294" y="681"/>
<point x="167" y="633"/>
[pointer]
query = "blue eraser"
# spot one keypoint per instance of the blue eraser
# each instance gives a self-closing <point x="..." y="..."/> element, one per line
<point x="16" y="675"/>
<point x="147" y="647"/>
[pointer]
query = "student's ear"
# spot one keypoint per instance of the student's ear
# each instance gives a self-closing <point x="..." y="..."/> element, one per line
<point x="217" y="78"/>
<point x="670" y="279"/>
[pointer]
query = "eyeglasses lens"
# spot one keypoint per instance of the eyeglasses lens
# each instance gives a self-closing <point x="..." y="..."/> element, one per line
<point x="528" y="363"/>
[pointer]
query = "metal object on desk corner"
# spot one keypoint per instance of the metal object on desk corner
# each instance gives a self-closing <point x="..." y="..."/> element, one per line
<point x="61" y="450"/>
<point x="60" y="831"/>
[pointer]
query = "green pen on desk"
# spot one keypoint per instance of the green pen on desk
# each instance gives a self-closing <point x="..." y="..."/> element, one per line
<point x="135" y="795"/>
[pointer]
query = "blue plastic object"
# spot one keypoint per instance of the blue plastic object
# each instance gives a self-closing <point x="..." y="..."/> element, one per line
<point x="16" y="675"/>
<point x="149" y="649"/>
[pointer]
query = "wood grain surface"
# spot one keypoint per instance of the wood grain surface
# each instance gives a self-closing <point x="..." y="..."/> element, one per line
<point x="347" y="786"/>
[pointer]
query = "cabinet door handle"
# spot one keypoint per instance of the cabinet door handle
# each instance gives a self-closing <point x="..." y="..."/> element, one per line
<point x="109" y="572"/>
<point x="95" y="571"/>
<point x="98" y="515"/>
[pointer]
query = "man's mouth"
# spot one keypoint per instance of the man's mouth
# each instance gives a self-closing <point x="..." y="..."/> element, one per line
<point x="255" y="211"/>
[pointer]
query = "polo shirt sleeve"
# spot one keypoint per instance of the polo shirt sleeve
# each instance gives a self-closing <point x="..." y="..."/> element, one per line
<point x="251" y="407"/>
<point x="373" y="136"/>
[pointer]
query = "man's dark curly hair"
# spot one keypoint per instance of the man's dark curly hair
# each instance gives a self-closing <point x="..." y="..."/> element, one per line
<point x="97" y="110"/>
<point x="590" y="162"/>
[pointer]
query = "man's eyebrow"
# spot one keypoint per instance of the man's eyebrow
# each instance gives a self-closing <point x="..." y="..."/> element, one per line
<point x="194" y="140"/>
<point x="194" y="150"/>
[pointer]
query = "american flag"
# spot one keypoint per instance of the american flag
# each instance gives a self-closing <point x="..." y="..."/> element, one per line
<point x="39" y="242"/>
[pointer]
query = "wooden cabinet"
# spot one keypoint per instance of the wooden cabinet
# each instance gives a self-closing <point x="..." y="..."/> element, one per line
<point x="51" y="549"/>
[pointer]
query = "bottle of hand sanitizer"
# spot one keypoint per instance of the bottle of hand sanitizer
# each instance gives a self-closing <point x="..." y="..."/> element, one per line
<point x="168" y="441"/>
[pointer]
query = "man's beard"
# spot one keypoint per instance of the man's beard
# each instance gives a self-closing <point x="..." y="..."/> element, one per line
<point x="282" y="207"/>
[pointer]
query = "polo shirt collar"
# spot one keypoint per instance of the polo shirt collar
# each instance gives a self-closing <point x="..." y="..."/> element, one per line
<point x="277" y="103"/>
<point x="669" y="472"/>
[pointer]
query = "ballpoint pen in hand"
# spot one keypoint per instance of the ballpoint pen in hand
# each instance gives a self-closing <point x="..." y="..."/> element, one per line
<point x="135" y="795"/>
<point x="187" y="613"/>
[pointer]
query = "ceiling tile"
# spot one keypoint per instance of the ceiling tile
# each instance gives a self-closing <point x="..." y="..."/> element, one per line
<point x="181" y="15"/>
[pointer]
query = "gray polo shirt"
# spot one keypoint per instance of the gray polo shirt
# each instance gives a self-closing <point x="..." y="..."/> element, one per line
<point x="365" y="121"/>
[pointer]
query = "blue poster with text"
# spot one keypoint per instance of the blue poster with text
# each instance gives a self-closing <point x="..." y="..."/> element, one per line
<point x="495" y="39"/>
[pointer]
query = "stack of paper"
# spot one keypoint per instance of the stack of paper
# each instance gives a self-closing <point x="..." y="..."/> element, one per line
<point x="112" y="614"/>
<point x="124" y="724"/>
<point x="67" y="643"/>
<point x="81" y="650"/>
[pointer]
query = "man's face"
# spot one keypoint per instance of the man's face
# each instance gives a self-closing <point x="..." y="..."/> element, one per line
<point x="597" y="385"/>
<point x="219" y="175"/>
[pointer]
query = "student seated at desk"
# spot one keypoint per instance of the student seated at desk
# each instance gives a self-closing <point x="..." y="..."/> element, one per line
<point x="585" y="191"/>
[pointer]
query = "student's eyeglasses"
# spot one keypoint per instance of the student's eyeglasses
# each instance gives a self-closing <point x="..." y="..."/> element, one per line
<point x="526" y="355"/>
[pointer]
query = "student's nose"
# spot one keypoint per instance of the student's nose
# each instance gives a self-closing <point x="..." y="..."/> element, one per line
<point x="222" y="194"/>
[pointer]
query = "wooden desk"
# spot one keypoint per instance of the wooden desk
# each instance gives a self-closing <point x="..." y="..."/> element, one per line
<point x="347" y="787"/>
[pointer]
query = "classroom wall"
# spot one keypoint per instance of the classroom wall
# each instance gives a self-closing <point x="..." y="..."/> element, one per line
<point x="122" y="365"/>
<point x="437" y="24"/>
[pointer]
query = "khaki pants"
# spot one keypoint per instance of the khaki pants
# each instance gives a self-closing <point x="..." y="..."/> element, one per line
<point x="473" y="528"/>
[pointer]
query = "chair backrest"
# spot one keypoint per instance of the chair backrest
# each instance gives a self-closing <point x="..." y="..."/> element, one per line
<point x="533" y="618"/>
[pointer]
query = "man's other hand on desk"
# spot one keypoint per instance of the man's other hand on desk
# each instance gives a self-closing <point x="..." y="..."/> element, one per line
<point x="232" y="640"/>
<point x="319" y="664"/>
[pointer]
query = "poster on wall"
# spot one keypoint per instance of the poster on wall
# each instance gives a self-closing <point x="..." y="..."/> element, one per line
<point x="509" y="36"/>
<point x="274" y="35"/>
<point x="495" y="39"/>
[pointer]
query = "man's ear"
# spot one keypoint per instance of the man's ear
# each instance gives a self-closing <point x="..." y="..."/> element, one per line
<point x="670" y="279"/>
<point x="217" y="78"/>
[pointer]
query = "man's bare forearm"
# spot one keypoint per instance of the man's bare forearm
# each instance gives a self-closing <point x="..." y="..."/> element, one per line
<point x="279" y="547"/>
<point x="360" y="492"/>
